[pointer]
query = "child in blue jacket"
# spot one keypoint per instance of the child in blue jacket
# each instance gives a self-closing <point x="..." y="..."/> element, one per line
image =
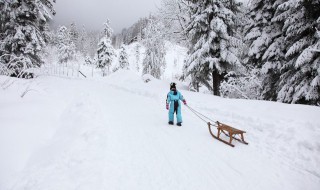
<point x="173" y="98"/>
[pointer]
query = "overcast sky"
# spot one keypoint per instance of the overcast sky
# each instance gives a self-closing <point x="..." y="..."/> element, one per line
<point x="93" y="13"/>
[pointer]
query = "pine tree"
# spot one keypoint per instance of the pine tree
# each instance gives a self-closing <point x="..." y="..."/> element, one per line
<point x="105" y="52"/>
<point x="74" y="34"/>
<point x="66" y="47"/>
<point x="260" y="31"/>
<point x="92" y="43"/>
<point x="137" y="53"/>
<point x="22" y="33"/>
<point x="282" y="38"/>
<point x="154" y="61"/>
<point x="266" y="44"/>
<point x="83" y="42"/>
<point x="212" y="51"/>
<point x="123" y="58"/>
<point x="300" y="74"/>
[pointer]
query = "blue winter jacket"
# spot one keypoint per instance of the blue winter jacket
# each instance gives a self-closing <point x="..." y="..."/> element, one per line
<point x="175" y="105"/>
<point x="172" y="97"/>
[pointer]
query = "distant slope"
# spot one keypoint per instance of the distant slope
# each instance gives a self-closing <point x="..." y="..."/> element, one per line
<point x="175" y="56"/>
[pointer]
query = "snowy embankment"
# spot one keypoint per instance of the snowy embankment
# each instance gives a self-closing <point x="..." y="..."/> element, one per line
<point x="112" y="133"/>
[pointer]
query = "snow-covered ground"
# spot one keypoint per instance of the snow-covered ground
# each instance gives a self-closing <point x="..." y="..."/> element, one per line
<point x="112" y="133"/>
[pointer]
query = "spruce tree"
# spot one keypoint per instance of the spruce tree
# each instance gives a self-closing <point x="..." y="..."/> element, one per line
<point x="260" y="30"/>
<point x="22" y="33"/>
<point x="74" y="34"/>
<point x="83" y="44"/>
<point x="137" y="53"/>
<point x="66" y="47"/>
<point x="105" y="52"/>
<point x="123" y="58"/>
<point x="282" y="39"/>
<point x="212" y="50"/>
<point x="299" y="74"/>
<point x="266" y="44"/>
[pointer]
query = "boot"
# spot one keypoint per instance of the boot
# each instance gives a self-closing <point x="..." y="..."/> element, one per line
<point x="179" y="124"/>
<point x="170" y="122"/>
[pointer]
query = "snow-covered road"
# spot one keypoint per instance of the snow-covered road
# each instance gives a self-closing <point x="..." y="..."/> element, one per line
<point x="112" y="133"/>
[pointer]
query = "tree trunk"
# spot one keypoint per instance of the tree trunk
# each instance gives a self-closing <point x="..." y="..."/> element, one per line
<point x="216" y="80"/>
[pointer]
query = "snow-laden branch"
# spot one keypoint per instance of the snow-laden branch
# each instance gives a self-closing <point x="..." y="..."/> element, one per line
<point x="316" y="50"/>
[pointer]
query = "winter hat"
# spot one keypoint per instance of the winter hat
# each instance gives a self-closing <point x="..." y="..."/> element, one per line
<point x="172" y="85"/>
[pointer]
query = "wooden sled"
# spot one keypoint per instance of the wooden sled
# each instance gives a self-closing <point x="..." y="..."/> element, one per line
<point x="228" y="131"/>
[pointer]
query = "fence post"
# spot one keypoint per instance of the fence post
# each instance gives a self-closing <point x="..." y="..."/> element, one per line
<point x="92" y="70"/>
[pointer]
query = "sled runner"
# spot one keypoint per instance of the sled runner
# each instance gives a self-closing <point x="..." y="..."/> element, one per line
<point x="222" y="128"/>
<point x="228" y="131"/>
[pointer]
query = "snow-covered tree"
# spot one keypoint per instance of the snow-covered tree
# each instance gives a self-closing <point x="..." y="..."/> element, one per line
<point x="73" y="32"/>
<point x="260" y="30"/>
<point x="300" y="73"/>
<point x="22" y="33"/>
<point x="154" y="61"/>
<point x="83" y="43"/>
<point x="213" y="47"/>
<point x="92" y="43"/>
<point x="88" y="60"/>
<point x="266" y="43"/>
<point x="105" y="52"/>
<point x="66" y="47"/>
<point x="175" y="16"/>
<point x="123" y="58"/>
<point x="282" y="37"/>
<point x="245" y="84"/>
<point x="137" y="54"/>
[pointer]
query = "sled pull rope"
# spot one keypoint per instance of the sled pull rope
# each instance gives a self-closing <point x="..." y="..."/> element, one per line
<point x="200" y="115"/>
<point x="222" y="128"/>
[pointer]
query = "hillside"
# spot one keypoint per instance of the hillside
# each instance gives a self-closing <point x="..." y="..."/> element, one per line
<point x="112" y="133"/>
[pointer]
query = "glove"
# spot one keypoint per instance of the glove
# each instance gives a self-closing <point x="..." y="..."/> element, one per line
<point x="167" y="106"/>
<point x="184" y="102"/>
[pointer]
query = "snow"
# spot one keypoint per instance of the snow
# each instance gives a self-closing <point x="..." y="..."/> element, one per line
<point x="112" y="133"/>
